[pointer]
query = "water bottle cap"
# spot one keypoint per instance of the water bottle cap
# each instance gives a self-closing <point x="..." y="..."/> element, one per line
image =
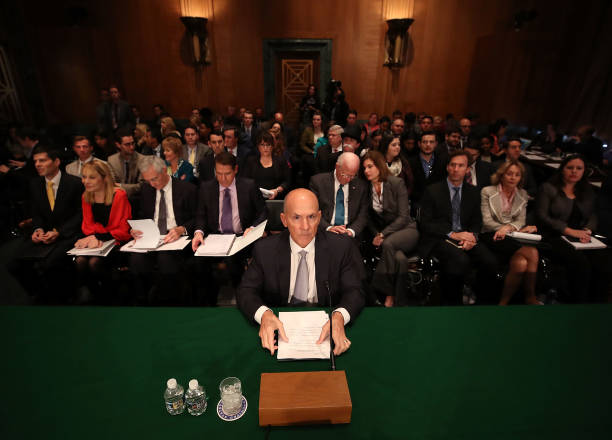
<point x="193" y="384"/>
<point x="171" y="383"/>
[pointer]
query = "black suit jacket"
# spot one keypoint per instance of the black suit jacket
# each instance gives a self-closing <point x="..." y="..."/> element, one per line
<point x="484" y="170"/>
<point x="266" y="281"/>
<point x="206" y="168"/>
<point x="251" y="205"/>
<point x="436" y="218"/>
<point x="66" y="216"/>
<point x="438" y="173"/>
<point x="184" y="198"/>
<point x="326" y="160"/>
<point x="323" y="186"/>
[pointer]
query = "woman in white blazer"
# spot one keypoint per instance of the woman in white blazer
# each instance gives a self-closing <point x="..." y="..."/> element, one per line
<point x="504" y="210"/>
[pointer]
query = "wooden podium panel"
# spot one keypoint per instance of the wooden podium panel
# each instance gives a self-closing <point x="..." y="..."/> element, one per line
<point x="304" y="398"/>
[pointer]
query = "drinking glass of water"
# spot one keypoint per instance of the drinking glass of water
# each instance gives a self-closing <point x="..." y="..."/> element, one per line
<point x="230" y="389"/>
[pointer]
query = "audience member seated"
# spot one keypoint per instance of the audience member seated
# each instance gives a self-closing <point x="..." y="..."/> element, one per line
<point x="152" y="145"/>
<point x="426" y="125"/>
<point x="450" y="221"/>
<point x="177" y="167"/>
<point x="206" y="166"/>
<point x="55" y="208"/>
<point x="239" y="150"/>
<point x="139" y="136"/>
<point x="586" y="144"/>
<point x="227" y="205"/>
<point x="168" y="127"/>
<point x="497" y="132"/>
<point x="389" y="223"/>
<point x="551" y="140"/>
<point x="504" y="210"/>
<point x="351" y="141"/>
<point x="385" y="126"/>
<point x="409" y="145"/>
<point x="479" y="172"/>
<point x="106" y="210"/>
<point x="280" y="145"/>
<point x="372" y="124"/>
<point x="310" y="137"/>
<point x="103" y="147"/>
<point x="171" y="203"/>
<point x="124" y="164"/>
<point x="427" y="167"/>
<point x="398" y="166"/>
<point x="328" y="154"/>
<point x="194" y="150"/>
<point x="465" y="125"/>
<point x="84" y="151"/>
<point x="486" y="144"/>
<point x="512" y="151"/>
<point x="342" y="197"/>
<point x="397" y="127"/>
<point x="268" y="171"/>
<point x="565" y="206"/>
<point x="452" y="142"/>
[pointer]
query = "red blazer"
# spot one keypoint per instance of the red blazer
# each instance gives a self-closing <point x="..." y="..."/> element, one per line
<point x="118" y="227"/>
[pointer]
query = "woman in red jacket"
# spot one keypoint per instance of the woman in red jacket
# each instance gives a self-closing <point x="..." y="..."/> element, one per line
<point x="106" y="210"/>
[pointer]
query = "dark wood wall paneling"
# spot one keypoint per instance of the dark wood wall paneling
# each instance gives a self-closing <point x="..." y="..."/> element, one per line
<point x="464" y="56"/>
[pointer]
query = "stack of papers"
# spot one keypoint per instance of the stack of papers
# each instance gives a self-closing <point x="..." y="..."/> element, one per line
<point x="101" y="251"/>
<point x="303" y="329"/>
<point x="525" y="236"/>
<point x="266" y="193"/>
<point x="224" y="245"/>
<point x="593" y="244"/>
<point x="177" y="245"/>
<point x="150" y="233"/>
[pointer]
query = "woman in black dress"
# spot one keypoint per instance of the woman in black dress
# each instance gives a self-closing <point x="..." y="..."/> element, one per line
<point x="268" y="171"/>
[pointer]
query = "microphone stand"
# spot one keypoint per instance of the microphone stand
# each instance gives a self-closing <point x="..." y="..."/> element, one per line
<point x="332" y="358"/>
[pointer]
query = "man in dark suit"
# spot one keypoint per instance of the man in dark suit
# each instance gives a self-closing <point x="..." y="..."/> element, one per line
<point x="248" y="131"/>
<point x="302" y="266"/>
<point x="428" y="167"/>
<point x="171" y="205"/>
<point x="450" y="222"/>
<point x="328" y="154"/>
<point x="343" y="198"/>
<point x="240" y="150"/>
<point x="512" y="150"/>
<point x="55" y="207"/>
<point x="479" y="172"/>
<point x="117" y="112"/>
<point x="227" y="205"/>
<point x="206" y="166"/>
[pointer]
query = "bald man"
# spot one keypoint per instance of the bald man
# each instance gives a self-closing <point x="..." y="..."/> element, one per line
<point x="296" y="268"/>
<point x="343" y="197"/>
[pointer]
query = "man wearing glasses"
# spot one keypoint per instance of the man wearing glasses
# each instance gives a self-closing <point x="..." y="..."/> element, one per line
<point x="124" y="164"/>
<point x="342" y="197"/>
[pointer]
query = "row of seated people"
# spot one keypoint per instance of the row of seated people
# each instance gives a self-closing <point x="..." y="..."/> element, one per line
<point x="458" y="223"/>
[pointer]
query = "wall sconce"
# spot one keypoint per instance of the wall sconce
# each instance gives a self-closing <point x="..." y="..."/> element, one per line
<point x="396" y="42"/>
<point x="196" y="28"/>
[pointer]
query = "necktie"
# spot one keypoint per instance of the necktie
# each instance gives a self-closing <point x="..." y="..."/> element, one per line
<point x="456" y="206"/>
<point x="162" y="216"/>
<point x="50" y="195"/>
<point x="300" y="289"/>
<point x="127" y="172"/>
<point x="192" y="156"/>
<point x="227" y="225"/>
<point x="339" y="219"/>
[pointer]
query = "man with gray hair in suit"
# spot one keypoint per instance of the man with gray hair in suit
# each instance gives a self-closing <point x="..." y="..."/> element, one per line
<point x="342" y="197"/>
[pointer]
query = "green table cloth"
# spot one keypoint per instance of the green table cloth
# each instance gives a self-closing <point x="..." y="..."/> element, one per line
<point x="425" y="373"/>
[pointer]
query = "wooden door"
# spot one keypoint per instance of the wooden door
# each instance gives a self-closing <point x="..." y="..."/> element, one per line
<point x="295" y="71"/>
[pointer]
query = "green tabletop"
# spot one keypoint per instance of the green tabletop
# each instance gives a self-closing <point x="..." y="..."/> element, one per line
<point x="423" y="373"/>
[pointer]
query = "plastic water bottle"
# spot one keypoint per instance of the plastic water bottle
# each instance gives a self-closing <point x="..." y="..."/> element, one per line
<point x="174" y="397"/>
<point x="195" y="398"/>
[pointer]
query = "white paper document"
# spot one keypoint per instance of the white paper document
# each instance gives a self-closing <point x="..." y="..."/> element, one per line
<point x="101" y="251"/>
<point x="533" y="156"/>
<point x="224" y="245"/>
<point x="177" y="245"/>
<point x="303" y="330"/>
<point x="593" y="244"/>
<point x="525" y="236"/>
<point x="150" y="233"/>
<point x="266" y="193"/>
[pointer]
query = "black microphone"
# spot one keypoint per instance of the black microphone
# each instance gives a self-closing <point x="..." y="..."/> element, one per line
<point x="332" y="358"/>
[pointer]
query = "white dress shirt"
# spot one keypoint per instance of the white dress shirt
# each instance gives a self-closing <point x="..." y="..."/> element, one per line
<point x="312" y="285"/>
<point x="170" y="219"/>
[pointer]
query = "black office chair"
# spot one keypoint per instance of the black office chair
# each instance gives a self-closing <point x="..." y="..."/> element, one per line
<point x="275" y="207"/>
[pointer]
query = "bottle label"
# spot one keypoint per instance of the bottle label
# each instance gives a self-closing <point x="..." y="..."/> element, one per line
<point x="171" y="406"/>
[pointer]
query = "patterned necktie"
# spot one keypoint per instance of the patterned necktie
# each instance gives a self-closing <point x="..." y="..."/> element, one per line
<point x="300" y="289"/>
<point x="339" y="219"/>
<point x="162" y="216"/>
<point x="227" y="226"/>
<point x="192" y="156"/>
<point x="456" y="206"/>
<point x="50" y="195"/>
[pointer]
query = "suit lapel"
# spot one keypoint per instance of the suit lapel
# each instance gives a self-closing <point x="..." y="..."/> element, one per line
<point x="176" y="194"/>
<point x="214" y="206"/>
<point x="283" y="266"/>
<point x="60" y="195"/>
<point x="243" y="207"/>
<point x="321" y="268"/>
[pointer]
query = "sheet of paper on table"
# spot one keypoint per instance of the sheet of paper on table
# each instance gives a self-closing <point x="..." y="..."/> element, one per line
<point x="303" y="330"/>
<point x="101" y="251"/>
<point x="150" y="233"/>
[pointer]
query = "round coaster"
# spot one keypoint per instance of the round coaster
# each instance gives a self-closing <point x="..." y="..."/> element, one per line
<point x="228" y="418"/>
